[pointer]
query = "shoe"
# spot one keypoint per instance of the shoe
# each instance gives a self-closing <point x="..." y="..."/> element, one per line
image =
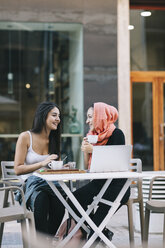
<point x="84" y="234"/>
<point x="109" y="234"/>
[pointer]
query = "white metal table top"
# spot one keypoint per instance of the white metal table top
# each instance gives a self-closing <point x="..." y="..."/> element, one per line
<point x="89" y="175"/>
<point x="151" y="174"/>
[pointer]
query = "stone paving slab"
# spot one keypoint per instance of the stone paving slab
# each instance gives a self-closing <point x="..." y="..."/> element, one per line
<point x="118" y="224"/>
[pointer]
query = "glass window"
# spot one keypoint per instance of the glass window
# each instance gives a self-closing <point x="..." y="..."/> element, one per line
<point x="39" y="62"/>
<point x="143" y="124"/>
<point x="147" y="40"/>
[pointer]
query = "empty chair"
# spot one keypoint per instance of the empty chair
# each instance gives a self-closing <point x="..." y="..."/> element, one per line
<point x="8" y="175"/>
<point x="18" y="213"/>
<point x="155" y="203"/>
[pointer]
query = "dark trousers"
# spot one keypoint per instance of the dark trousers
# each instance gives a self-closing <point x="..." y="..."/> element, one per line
<point x="48" y="213"/>
<point x="85" y="196"/>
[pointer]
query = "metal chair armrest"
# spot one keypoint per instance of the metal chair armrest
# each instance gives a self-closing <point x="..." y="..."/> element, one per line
<point x="15" y="188"/>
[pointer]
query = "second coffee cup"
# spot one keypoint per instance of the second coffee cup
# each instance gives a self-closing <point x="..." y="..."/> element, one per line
<point x="92" y="139"/>
<point x="56" y="165"/>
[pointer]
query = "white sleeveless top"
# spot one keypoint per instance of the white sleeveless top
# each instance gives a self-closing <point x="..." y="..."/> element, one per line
<point x="32" y="157"/>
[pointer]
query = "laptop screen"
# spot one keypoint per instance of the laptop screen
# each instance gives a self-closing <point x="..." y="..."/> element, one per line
<point x="111" y="158"/>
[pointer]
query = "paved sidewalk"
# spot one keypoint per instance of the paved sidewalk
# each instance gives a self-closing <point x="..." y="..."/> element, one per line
<point x="12" y="234"/>
<point x="119" y="225"/>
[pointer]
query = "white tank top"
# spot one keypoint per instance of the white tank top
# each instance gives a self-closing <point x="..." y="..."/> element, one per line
<point x="32" y="157"/>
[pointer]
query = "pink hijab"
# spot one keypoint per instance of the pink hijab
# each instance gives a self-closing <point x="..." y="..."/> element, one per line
<point x="104" y="117"/>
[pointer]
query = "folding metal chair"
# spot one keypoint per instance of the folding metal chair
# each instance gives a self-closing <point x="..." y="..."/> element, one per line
<point x="9" y="177"/>
<point x="18" y="213"/>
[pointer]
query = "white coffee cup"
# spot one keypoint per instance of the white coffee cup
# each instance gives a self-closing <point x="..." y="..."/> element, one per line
<point x="72" y="165"/>
<point x="56" y="165"/>
<point x="92" y="139"/>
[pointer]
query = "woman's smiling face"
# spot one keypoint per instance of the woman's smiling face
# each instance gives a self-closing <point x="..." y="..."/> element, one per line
<point x="89" y="120"/>
<point x="53" y="119"/>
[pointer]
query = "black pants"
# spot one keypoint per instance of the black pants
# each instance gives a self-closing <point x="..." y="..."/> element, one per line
<point x="48" y="213"/>
<point x="85" y="196"/>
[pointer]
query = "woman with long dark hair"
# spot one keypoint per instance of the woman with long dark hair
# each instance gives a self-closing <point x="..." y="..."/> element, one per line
<point x="35" y="148"/>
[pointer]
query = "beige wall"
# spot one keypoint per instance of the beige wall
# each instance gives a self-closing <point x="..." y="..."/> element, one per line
<point x="124" y="69"/>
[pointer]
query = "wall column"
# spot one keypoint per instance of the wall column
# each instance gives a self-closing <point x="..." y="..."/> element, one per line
<point x="123" y="44"/>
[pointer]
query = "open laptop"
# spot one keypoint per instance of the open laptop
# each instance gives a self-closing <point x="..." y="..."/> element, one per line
<point x="111" y="158"/>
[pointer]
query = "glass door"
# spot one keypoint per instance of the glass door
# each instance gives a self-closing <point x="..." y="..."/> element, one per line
<point x="148" y="118"/>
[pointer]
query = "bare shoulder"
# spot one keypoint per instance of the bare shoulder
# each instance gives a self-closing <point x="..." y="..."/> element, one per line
<point x="24" y="138"/>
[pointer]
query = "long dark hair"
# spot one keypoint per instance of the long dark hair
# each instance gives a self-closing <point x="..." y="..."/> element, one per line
<point x="39" y="122"/>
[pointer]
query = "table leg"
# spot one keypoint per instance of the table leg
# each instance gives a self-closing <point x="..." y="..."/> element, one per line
<point x="85" y="215"/>
<point x="110" y="214"/>
<point x="81" y="220"/>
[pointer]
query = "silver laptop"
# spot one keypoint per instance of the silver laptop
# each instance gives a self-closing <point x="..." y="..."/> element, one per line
<point x="111" y="158"/>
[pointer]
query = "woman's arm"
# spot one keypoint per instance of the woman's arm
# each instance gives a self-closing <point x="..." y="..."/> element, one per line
<point x="86" y="160"/>
<point x="87" y="148"/>
<point x="20" y="155"/>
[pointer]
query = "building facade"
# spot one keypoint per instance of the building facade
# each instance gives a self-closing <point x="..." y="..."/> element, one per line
<point x="55" y="50"/>
<point x="76" y="53"/>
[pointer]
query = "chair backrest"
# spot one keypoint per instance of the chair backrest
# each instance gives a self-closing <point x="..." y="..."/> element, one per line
<point x="8" y="173"/>
<point x="135" y="165"/>
<point x="7" y="168"/>
<point x="157" y="188"/>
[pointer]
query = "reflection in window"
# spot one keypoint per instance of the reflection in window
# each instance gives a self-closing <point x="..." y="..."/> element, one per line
<point x="147" y="40"/>
<point x="39" y="62"/>
<point x="143" y="124"/>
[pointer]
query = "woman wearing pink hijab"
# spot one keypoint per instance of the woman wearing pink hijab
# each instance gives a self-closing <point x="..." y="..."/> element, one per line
<point x="101" y="118"/>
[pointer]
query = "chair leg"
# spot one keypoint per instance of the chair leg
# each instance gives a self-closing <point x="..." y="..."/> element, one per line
<point x="32" y="230"/>
<point x="5" y="199"/>
<point x="141" y="209"/>
<point x="130" y="223"/>
<point x="146" y="228"/>
<point x="25" y="237"/>
<point x="4" y="204"/>
<point x="1" y="232"/>
<point x="164" y="233"/>
<point x="12" y="197"/>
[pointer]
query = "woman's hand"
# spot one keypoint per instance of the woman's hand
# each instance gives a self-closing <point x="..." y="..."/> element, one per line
<point x="49" y="159"/>
<point x="86" y="146"/>
<point x="20" y="157"/>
